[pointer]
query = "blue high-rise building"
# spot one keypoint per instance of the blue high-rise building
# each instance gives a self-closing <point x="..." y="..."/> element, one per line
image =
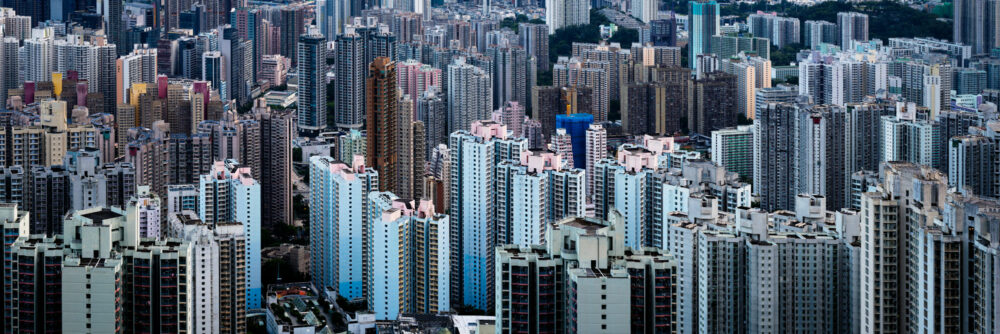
<point x="338" y="200"/>
<point x="230" y="194"/>
<point x="703" y="23"/>
<point x="576" y="126"/>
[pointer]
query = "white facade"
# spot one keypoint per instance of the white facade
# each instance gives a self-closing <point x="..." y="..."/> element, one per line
<point x="597" y="149"/>
<point x="337" y="221"/>
<point x="91" y="295"/>
<point x="230" y="194"/>
<point x="404" y="241"/>
<point x="564" y="13"/>
<point x="144" y="209"/>
<point x="534" y="192"/>
<point x="209" y="259"/>
<point x="474" y="156"/>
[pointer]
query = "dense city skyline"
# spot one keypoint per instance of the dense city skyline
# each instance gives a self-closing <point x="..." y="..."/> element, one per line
<point x="558" y="166"/>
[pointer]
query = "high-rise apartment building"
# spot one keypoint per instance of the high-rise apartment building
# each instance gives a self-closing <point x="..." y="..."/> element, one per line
<point x="331" y="16"/>
<point x="217" y="283"/>
<point x="704" y="23"/>
<point x="774" y="163"/>
<point x="535" y="40"/>
<point x="52" y="136"/>
<point x="16" y="224"/>
<point x="561" y="14"/>
<point x="733" y="148"/>
<point x="975" y="26"/>
<point x="853" y="28"/>
<point x="146" y="210"/>
<point x="338" y="234"/>
<point x="644" y="10"/>
<point x="474" y="156"/>
<point x="277" y="129"/>
<point x="432" y="110"/>
<point x="781" y="30"/>
<point x="96" y="184"/>
<point x="470" y="95"/>
<point x="726" y="46"/>
<point x="889" y="222"/>
<point x="383" y="122"/>
<point x="609" y="287"/>
<point x="312" y="81"/>
<point x="408" y="255"/>
<point x="513" y="75"/>
<point x="597" y="150"/>
<point x="534" y="192"/>
<point x="816" y="33"/>
<point x="351" y="144"/>
<point x="416" y="78"/>
<point x="713" y="103"/>
<point x="746" y="84"/>
<point x="549" y="101"/>
<point x="351" y="73"/>
<point x="974" y="163"/>
<point x="47" y="197"/>
<point x="136" y="67"/>
<point x="596" y="75"/>
<point x="801" y="149"/>
<point x="230" y="194"/>
<point x="706" y="255"/>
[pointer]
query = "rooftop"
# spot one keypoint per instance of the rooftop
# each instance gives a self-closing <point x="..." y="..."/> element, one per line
<point x="101" y="215"/>
<point x="584" y="223"/>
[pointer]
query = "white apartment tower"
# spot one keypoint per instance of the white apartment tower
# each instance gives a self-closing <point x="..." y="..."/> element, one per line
<point x="597" y="150"/>
<point x="474" y="156"/>
<point x="230" y="194"/>
<point x="338" y="218"/>
<point x="409" y="257"/>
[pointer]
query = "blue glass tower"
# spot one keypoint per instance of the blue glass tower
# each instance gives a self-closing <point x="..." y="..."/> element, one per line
<point x="576" y="126"/>
<point x="704" y="23"/>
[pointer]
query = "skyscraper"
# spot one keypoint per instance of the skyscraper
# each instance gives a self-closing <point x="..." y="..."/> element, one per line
<point x="612" y="275"/>
<point x="733" y="148"/>
<point x="560" y="14"/>
<point x="819" y="32"/>
<point x="470" y="95"/>
<point x="704" y="21"/>
<point x="854" y="28"/>
<point x="276" y="133"/>
<point x="292" y="25"/>
<point x="976" y="25"/>
<point x="383" y="122"/>
<point x="351" y="72"/>
<point x="433" y="112"/>
<point x="331" y="16"/>
<point x="535" y="40"/>
<point x="532" y="193"/>
<point x="9" y="68"/>
<point x="409" y="257"/>
<point x="474" y="156"/>
<point x="974" y="162"/>
<point x="137" y="67"/>
<point x="217" y="285"/>
<point x="889" y="220"/>
<point x="312" y="81"/>
<point x="339" y="237"/>
<point x="415" y="78"/>
<point x="714" y="103"/>
<point x="774" y="155"/>
<point x="591" y="74"/>
<point x="512" y="74"/>
<point x="230" y="194"/>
